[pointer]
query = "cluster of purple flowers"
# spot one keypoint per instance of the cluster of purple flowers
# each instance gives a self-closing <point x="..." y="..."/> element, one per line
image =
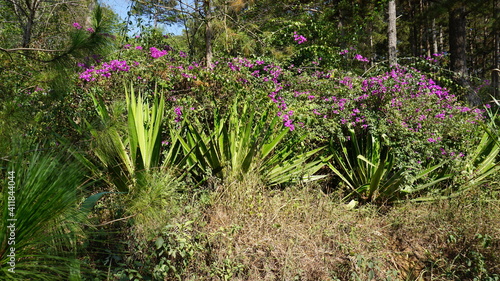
<point x="178" y="114"/>
<point x="155" y="53"/>
<point x="359" y="57"/>
<point x="79" y="26"/>
<point x="404" y="101"/>
<point x="267" y="73"/>
<point x="105" y="70"/>
<point x="434" y="58"/>
<point x="299" y="38"/>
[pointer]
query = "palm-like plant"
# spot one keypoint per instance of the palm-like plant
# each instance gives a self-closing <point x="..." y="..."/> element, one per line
<point x="483" y="162"/>
<point x="125" y="154"/>
<point x="481" y="165"/>
<point x="144" y="130"/>
<point x="242" y="142"/>
<point x="367" y="166"/>
<point x="46" y="217"/>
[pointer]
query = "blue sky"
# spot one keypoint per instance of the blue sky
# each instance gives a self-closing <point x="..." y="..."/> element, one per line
<point x="121" y="7"/>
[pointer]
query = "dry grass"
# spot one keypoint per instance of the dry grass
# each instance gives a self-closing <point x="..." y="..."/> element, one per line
<point x="248" y="232"/>
<point x="300" y="233"/>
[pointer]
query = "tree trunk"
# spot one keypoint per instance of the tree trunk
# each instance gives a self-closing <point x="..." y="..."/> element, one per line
<point x="434" y="37"/>
<point x="413" y="38"/>
<point x="208" y="32"/>
<point x="28" y="29"/>
<point x="441" y="38"/>
<point x="458" y="49"/>
<point x="458" y="34"/>
<point x="392" y="33"/>
<point x="31" y="8"/>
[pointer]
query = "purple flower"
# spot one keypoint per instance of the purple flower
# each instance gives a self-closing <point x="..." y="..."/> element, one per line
<point x="155" y="53"/>
<point x="106" y="70"/>
<point x="359" y="57"/>
<point x="138" y="47"/>
<point x="440" y="115"/>
<point x="90" y="30"/>
<point x="178" y="112"/>
<point x="299" y="38"/>
<point x="77" y="25"/>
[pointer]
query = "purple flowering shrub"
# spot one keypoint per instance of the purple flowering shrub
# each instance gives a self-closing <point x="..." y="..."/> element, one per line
<point x="423" y="121"/>
<point x="187" y="84"/>
<point x="135" y="62"/>
<point x="105" y="69"/>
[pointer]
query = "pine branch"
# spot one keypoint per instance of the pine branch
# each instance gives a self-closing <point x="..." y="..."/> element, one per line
<point x="28" y="49"/>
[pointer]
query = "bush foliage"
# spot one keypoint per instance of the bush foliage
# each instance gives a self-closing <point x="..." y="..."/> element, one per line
<point x="196" y="169"/>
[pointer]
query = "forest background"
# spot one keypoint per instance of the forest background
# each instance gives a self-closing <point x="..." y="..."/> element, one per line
<point x="270" y="140"/>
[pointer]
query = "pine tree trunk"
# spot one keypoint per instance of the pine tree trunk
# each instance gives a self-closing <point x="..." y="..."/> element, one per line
<point x="413" y="38"/>
<point x="458" y="34"/>
<point x="458" y="49"/>
<point x="434" y="37"/>
<point x="392" y="33"/>
<point x="208" y="32"/>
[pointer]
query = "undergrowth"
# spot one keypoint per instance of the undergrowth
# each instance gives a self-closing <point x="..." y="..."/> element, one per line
<point x="245" y="231"/>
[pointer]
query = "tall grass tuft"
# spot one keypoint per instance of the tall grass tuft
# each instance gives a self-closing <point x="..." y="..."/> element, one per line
<point x="47" y="226"/>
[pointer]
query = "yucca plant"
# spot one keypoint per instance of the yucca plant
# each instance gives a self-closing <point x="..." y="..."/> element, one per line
<point x="366" y="165"/>
<point x="493" y="127"/>
<point x="43" y="207"/>
<point x="109" y="146"/>
<point x="483" y="162"/>
<point x="125" y="153"/>
<point x="144" y="129"/>
<point x="481" y="166"/>
<point x="243" y="141"/>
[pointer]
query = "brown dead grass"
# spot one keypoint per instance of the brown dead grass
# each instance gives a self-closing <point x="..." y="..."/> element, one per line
<point x="300" y="233"/>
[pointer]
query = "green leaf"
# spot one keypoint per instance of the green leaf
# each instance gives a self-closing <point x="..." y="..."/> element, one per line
<point x="159" y="242"/>
<point x="91" y="201"/>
